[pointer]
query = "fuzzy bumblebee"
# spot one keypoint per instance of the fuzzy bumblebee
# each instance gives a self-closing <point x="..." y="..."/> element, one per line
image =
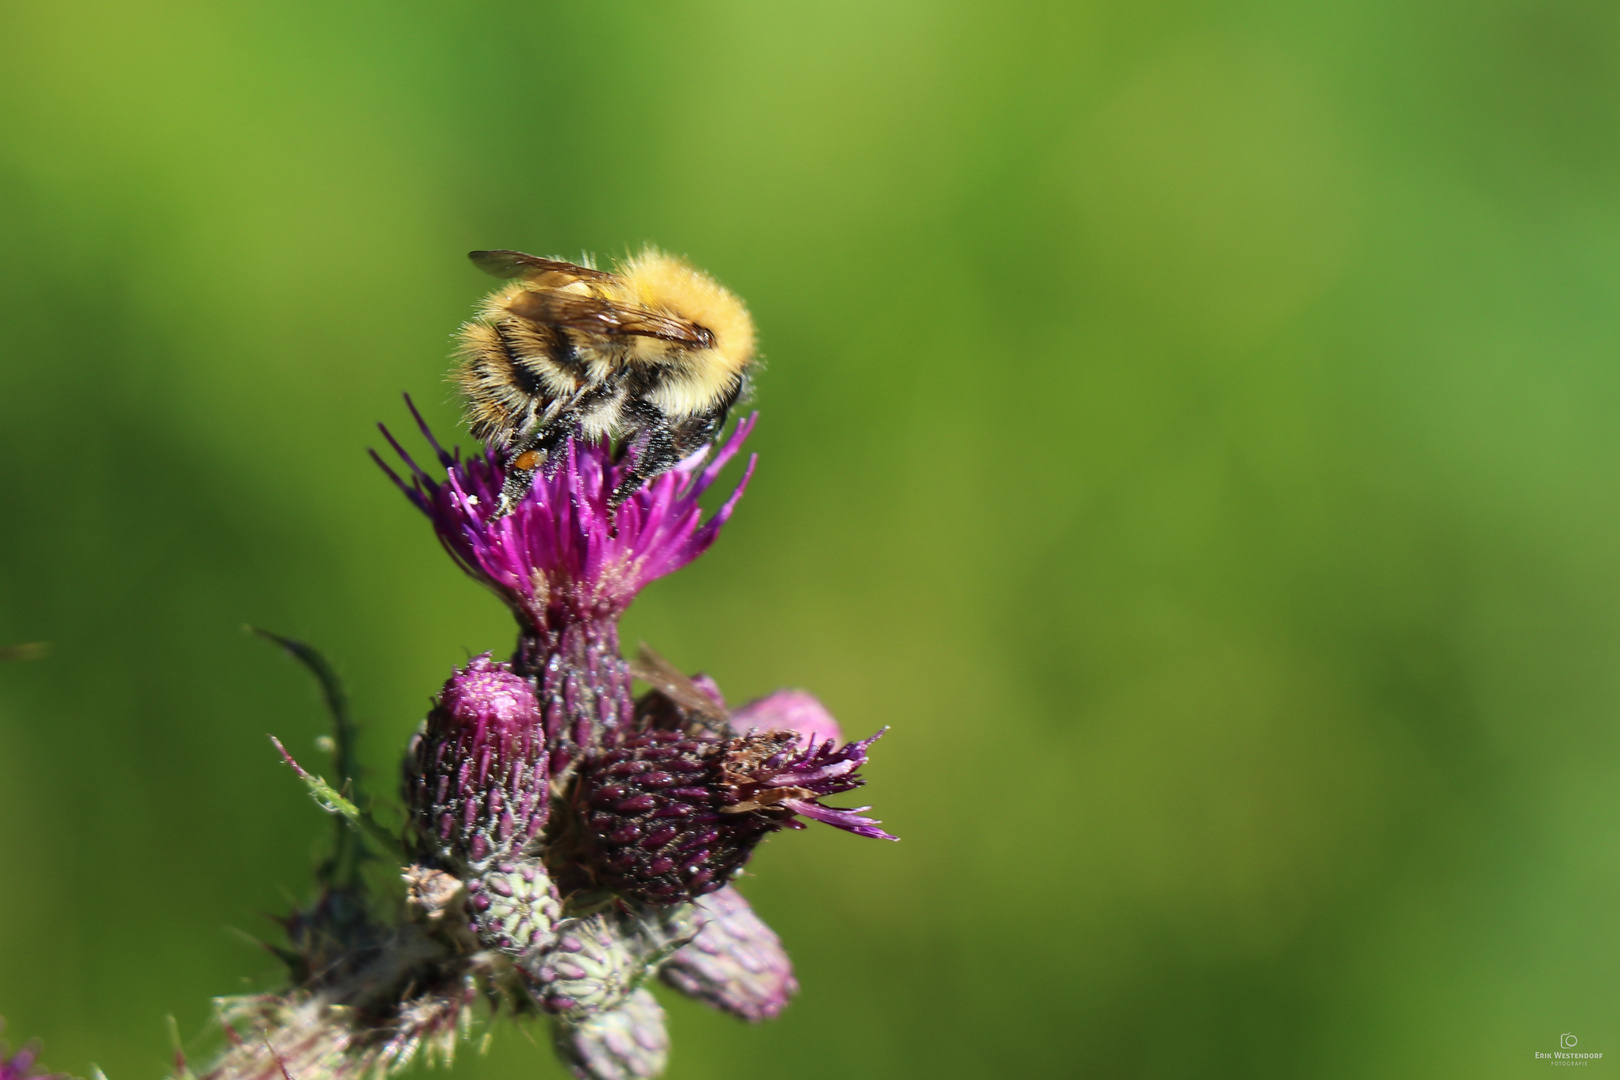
<point x="654" y="353"/>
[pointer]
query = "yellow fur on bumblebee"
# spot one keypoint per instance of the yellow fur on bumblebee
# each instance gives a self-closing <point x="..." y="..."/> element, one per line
<point x="655" y="352"/>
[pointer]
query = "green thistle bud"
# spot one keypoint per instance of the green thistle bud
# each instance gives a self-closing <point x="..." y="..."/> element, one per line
<point x="626" y="1043"/>
<point x="513" y="907"/>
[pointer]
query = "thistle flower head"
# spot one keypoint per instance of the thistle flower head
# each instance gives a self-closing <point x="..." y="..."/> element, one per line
<point x="596" y="961"/>
<point x="476" y="777"/>
<point x="626" y="1043"/>
<point x="769" y="772"/>
<point x="669" y="816"/>
<point x="513" y="907"/>
<point x="736" y="963"/>
<point x="564" y="552"/>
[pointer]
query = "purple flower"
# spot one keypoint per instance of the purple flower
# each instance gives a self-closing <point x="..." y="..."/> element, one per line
<point x="476" y="776"/>
<point x="670" y="816"/>
<point x="22" y="1065"/>
<point x="736" y="963"/>
<point x="564" y="552"/>
<point x="568" y="563"/>
<point x="477" y="785"/>
<point x="796" y="776"/>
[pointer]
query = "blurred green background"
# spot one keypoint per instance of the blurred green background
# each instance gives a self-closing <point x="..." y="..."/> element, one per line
<point x="1194" y="427"/>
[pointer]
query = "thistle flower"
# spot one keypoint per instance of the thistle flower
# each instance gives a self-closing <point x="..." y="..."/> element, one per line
<point x="23" y="1064"/>
<point x="476" y="784"/>
<point x="569" y="563"/>
<point x="564" y="551"/>
<point x="565" y="844"/>
<point x="626" y="1043"/>
<point x="476" y="775"/>
<point x="669" y="816"/>
<point x="597" y="960"/>
<point x="735" y="963"/>
<point x="513" y="907"/>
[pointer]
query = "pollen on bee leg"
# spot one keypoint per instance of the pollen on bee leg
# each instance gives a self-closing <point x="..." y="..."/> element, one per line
<point x="518" y="482"/>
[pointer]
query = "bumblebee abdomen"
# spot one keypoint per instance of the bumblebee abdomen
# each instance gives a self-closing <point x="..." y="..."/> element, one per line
<point x="512" y="372"/>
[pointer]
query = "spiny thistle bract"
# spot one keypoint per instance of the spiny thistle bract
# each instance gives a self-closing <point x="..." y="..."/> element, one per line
<point x="564" y="842"/>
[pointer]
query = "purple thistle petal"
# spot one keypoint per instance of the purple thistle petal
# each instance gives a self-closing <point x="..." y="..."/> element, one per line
<point x="848" y="820"/>
<point x="825" y="771"/>
<point x="564" y="553"/>
<point x="422" y="425"/>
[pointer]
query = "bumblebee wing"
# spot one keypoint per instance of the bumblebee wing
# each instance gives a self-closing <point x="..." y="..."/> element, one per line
<point x="511" y="264"/>
<point x="595" y="315"/>
<point x="668" y="680"/>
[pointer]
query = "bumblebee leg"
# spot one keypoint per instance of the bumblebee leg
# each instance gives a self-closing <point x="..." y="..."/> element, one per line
<point x="514" y="489"/>
<point x="519" y="479"/>
<point x="653" y="452"/>
<point x="692" y="433"/>
<point x="543" y="450"/>
<point x="550" y="443"/>
<point x="535" y="451"/>
<point x="561" y="423"/>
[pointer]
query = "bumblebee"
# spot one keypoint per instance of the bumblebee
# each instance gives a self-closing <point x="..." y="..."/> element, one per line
<point x="654" y="353"/>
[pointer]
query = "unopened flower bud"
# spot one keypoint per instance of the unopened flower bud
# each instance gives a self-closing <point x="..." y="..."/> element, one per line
<point x="629" y="1042"/>
<point x="513" y="908"/>
<point x="669" y="817"/>
<point x="597" y="960"/>
<point x="736" y="963"/>
<point x="476" y="777"/>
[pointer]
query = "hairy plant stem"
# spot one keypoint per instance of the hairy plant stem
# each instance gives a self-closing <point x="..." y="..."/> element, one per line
<point x="582" y="682"/>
